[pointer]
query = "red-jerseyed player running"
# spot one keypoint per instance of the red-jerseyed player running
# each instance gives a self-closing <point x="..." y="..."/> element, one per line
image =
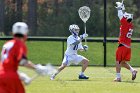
<point x="123" y="52"/>
<point x="14" y="53"/>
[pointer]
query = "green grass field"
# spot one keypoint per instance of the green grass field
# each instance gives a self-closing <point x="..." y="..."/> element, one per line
<point x="51" y="52"/>
<point x="101" y="81"/>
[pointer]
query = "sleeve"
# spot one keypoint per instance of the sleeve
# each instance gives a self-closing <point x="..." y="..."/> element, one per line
<point x="70" y="40"/>
<point x="80" y="46"/>
<point x="120" y="14"/>
<point x="22" y="52"/>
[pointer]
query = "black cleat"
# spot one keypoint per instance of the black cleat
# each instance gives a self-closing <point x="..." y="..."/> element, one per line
<point x="134" y="73"/>
<point x="83" y="77"/>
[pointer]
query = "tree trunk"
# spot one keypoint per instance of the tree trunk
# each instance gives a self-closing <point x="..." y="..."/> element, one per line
<point x="137" y="2"/>
<point x="19" y="11"/>
<point x="56" y="8"/>
<point x="32" y="16"/>
<point x="2" y="5"/>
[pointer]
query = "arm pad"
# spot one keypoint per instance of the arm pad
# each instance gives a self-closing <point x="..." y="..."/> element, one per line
<point x="120" y="14"/>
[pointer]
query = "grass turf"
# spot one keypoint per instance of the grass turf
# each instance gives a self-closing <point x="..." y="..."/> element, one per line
<point x="51" y="52"/>
<point x="101" y="81"/>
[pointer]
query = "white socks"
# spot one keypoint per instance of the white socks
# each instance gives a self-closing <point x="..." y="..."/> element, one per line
<point x="118" y="75"/>
<point x="82" y="73"/>
<point x="131" y="69"/>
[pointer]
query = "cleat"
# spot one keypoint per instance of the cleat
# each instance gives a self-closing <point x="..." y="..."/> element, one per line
<point x="117" y="80"/>
<point x="52" y="77"/>
<point x="134" y="73"/>
<point x="83" y="77"/>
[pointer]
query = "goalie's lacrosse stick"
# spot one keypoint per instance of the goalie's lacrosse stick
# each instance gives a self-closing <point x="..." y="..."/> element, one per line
<point x="84" y="13"/>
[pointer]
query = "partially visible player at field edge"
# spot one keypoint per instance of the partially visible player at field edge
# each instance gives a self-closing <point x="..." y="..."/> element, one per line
<point x="73" y="45"/>
<point x="14" y="53"/>
<point x="123" y="52"/>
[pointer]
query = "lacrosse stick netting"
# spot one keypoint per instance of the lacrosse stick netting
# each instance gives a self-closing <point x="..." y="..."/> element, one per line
<point x="84" y="13"/>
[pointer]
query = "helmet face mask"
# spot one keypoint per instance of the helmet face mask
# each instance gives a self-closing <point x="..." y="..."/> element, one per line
<point x="74" y="29"/>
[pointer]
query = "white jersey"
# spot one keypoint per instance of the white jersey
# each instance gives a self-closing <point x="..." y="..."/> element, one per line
<point x="72" y="49"/>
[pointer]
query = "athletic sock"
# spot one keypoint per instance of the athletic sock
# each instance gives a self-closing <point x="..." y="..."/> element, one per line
<point x="131" y="68"/>
<point x="118" y="75"/>
<point x="82" y="73"/>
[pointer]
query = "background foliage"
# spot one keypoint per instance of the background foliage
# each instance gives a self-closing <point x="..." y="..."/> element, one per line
<point x="55" y="16"/>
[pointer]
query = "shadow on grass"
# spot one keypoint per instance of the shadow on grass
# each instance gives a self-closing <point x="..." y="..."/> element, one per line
<point x="80" y="80"/>
<point x="134" y="82"/>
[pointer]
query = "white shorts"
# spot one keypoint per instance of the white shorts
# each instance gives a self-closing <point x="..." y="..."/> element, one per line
<point x="72" y="59"/>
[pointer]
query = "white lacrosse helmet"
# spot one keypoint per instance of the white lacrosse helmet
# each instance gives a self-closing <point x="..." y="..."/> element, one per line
<point x="20" y="28"/>
<point x="74" y="29"/>
<point x="128" y="15"/>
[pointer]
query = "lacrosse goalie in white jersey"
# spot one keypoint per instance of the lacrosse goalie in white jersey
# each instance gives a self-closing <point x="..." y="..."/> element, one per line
<point x="73" y="45"/>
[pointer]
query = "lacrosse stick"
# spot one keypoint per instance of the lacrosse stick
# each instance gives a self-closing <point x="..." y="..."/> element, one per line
<point x="33" y="78"/>
<point x="46" y="70"/>
<point x="84" y="13"/>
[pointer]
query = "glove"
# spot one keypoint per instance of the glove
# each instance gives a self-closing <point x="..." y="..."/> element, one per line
<point x="85" y="47"/>
<point x="50" y="70"/>
<point x="45" y="70"/>
<point x="120" y="6"/>
<point x="40" y="69"/>
<point x="25" y="78"/>
<point x="83" y="36"/>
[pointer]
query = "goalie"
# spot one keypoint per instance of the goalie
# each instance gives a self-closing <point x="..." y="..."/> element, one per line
<point x="73" y="45"/>
<point x="123" y="52"/>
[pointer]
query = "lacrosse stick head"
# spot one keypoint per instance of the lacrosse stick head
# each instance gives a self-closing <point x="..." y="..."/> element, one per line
<point x="84" y="13"/>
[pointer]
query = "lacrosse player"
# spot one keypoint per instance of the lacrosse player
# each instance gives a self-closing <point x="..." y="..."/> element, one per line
<point x="14" y="53"/>
<point x="123" y="52"/>
<point x="73" y="45"/>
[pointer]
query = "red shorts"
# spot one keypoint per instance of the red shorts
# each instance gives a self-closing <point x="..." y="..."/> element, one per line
<point x="123" y="54"/>
<point x="9" y="85"/>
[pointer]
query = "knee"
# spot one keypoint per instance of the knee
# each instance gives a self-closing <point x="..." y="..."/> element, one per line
<point x="123" y="63"/>
<point x="85" y="61"/>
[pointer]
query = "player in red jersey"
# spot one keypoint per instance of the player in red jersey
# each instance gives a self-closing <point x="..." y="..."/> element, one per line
<point x="14" y="53"/>
<point x="123" y="52"/>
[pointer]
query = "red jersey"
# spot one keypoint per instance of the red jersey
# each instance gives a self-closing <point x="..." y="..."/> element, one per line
<point x="126" y="30"/>
<point x="11" y="54"/>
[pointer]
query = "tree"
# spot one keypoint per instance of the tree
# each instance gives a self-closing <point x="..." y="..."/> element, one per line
<point x="2" y="5"/>
<point x="19" y="10"/>
<point x="32" y="16"/>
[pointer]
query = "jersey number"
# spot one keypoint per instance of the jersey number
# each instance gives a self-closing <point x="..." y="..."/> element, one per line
<point x="75" y="47"/>
<point x="4" y="54"/>
<point x="129" y="34"/>
<point x="5" y="51"/>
